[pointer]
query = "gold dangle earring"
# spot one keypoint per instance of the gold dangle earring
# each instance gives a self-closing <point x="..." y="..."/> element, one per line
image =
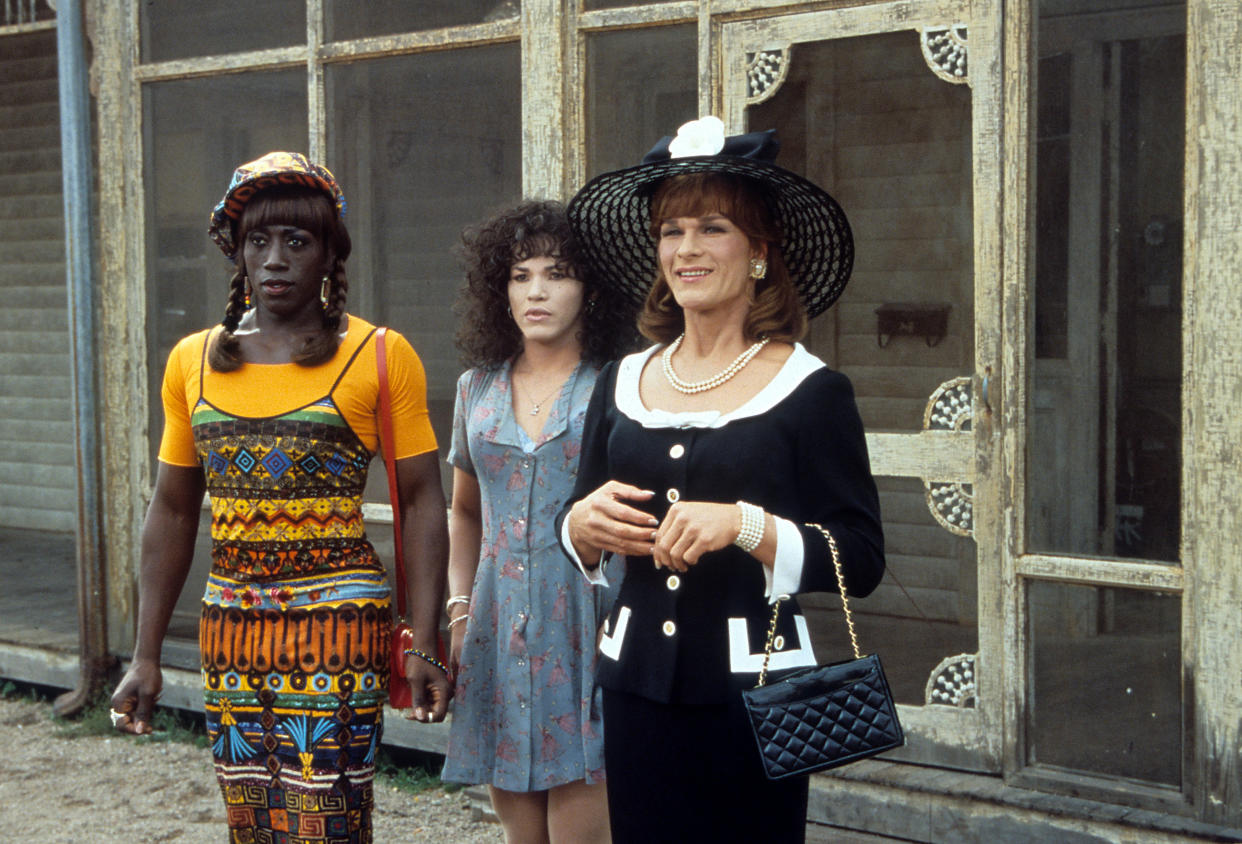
<point x="758" y="268"/>
<point x="325" y="289"/>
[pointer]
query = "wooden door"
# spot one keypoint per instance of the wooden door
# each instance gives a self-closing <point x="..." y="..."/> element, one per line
<point x="893" y="109"/>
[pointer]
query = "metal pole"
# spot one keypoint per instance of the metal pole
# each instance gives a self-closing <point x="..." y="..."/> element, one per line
<point x="78" y="175"/>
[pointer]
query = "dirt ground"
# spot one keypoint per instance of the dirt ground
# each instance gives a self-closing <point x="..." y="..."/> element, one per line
<point x="102" y="789"/>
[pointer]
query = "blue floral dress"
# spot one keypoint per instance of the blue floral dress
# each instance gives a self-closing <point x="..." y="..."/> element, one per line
<point x="526" y="713"/>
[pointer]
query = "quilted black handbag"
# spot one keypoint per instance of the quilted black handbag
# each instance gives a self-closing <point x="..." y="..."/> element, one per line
<point x="822" y="717"/>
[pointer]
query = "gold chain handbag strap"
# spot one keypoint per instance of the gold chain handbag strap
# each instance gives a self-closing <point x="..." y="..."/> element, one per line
<point x="845" y="604"/>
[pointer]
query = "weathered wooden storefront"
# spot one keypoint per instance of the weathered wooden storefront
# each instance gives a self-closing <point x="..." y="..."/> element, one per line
<point x="1046" y="198"/>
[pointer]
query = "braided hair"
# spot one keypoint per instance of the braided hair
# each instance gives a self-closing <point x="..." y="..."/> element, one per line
<point x="308" y="209"/>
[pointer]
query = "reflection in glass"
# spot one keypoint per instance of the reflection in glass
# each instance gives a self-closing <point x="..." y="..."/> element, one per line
<point x="350" y="19"/>
<point x="1105" y="681"/>
<point x="591" y="5"/>
<point x="640" y="87"/>
<point x="1105" y="416"/>
<point x="199" y="131"/>
<point x="869" y="121"/>
<point x="421" y="154"/>
<point x="178" y="29"/>
<point x="925" y="609"/>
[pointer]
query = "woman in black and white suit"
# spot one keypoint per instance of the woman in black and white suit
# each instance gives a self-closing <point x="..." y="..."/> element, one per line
<point x="709" y="460"/>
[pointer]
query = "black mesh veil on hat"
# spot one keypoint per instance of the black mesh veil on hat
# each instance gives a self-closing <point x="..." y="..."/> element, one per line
<point x="611" y="218"/>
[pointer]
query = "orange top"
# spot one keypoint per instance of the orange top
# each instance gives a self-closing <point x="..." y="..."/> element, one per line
<point x="262" y="390"/>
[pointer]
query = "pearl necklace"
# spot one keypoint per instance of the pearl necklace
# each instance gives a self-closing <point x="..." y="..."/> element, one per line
<point x="691" y="387"/>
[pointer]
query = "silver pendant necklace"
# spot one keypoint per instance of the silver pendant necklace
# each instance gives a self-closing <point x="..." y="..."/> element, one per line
<point x="538" y="405"/>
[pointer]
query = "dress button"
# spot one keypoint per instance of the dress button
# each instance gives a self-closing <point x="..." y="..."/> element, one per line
<point x="673" y="496"/>
<point x="677" y="451"/>
<point x="669" y="628"/>
<point x="673" y="582"/>
<point x="778" y="643"/>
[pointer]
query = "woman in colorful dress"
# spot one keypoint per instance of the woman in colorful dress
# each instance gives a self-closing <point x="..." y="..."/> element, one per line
<point x="711" y="461"/>
<point x="274" y="414"/>
<point x="526" y="717"/>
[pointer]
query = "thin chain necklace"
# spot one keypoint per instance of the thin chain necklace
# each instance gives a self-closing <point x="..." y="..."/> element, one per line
<point x="537" y="406"/>
<point x="689" y="388"/>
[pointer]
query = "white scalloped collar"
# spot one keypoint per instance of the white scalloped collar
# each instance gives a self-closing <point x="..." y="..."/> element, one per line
<point x="793" y="372"/>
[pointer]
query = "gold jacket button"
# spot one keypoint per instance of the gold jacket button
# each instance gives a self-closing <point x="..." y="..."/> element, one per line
<point x="778" y="643"/>
<point x="673" y="496"/>
<point x="677" y="451"/>
<point x="669" y="628"/>
<point x="673" y="582"/>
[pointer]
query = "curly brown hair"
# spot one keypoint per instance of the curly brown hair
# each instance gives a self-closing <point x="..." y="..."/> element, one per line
<point x="777" y="312"/>
<point x="486" y="332"/>
<point x="305" y="208"/>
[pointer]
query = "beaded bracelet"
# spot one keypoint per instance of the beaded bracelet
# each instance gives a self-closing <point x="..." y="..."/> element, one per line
<point x="751" y="534"/>
<point x="426" y="657"/>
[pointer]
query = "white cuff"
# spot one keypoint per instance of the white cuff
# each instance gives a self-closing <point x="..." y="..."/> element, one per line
<point x="595" y="575"/>
<point x="785" y="576"/>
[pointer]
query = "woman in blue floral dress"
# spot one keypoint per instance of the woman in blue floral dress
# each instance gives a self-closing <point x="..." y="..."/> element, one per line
<point x="526" y="718"/>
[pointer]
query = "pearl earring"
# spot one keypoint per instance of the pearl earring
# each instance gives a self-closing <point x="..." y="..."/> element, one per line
<point x="758" y="268"/>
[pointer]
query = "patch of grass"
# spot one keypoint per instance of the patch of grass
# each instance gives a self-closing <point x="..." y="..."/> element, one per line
<point x="177" y="725"/>
<point x="12" y="690"/>
<point x="171" y="725"/>
<point x="408" y="771"/>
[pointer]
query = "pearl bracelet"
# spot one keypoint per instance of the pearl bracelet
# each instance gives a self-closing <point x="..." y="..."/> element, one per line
<point x="751" y="534"/>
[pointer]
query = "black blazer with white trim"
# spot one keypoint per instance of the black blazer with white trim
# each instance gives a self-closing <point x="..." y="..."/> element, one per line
<point x="796" y="449"/>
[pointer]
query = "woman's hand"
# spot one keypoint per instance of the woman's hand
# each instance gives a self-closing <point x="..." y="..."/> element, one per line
<point x="691" y="529"/>
<point x="431" y="690"/>
<point x="133" y="702"/>
<point x="603" y="521"/>
<point x="457" y="639"/>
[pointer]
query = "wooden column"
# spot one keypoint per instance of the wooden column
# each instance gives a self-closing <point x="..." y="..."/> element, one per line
<point x="1212" y="405"/>
<point x="545" y="37"/>
<point x="122" y="305"/>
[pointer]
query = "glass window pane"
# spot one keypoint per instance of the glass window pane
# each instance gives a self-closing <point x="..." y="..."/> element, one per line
<point x="640" y="87"/>
<point x="350" y="19"/>
<point x="591" y="5"/>
<point x="1105" y="681"/>
<point x="420" y="155"/>
<point x="1105" y="416"/>
<point x="26" y="11"/>
<point x="178" y="29"/>
<point x="870" y="122"/>
<point x="197" y="132"/>
<point x="924" y="612"/>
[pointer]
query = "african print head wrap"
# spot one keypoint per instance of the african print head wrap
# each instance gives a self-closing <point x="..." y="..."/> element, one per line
<point x="275" y="168"/>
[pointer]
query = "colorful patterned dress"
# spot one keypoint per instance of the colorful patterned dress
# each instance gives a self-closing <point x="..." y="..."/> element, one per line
<point x="526" y="713"/>
<point x="296" y="613"/>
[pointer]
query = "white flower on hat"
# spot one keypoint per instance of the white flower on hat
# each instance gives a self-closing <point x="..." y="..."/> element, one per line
<point x="705" y="136"/>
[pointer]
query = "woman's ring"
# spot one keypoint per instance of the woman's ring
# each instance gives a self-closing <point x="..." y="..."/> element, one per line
<point x="117" y="717"/>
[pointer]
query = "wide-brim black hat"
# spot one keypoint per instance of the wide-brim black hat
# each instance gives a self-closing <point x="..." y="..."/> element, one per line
<point x="611" y="215"/>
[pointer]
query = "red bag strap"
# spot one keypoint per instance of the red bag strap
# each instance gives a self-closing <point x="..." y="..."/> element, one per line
<point x="390" y="463"/>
